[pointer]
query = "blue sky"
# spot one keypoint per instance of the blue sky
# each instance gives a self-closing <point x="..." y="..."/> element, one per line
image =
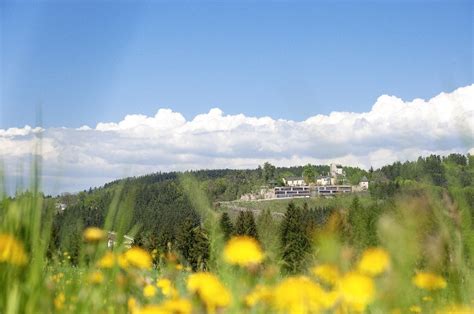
<point x="92" y="62"/>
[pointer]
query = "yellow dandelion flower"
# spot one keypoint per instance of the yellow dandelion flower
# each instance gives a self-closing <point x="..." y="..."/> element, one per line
<point x="94" y="234"/>
<point x="107" y="261"/>
<point x="132" y="305"/>
<point x="149" y="291"/>
<point x="96" y="277"/>
<point x="243" y="251"/>
<point x="138" y="257"/>
<point x="12" y="251"/>
<point x="261" y="293"/>
<point x="357" y="290"/>
<point x="327" y="273"/>
<point x="299" y="295"/>
<point x="166" y="287"/>
<point x="209" y="289"/>
<point x="179" y="267"/>
<point x="415" y="309"/>
<point x="374" y="261"/>
<point x="427" y="298"/>
<point x="177" y="306"/>
<point x="59" y="301"/>
<point x="152" y="309"/>
<point x="429" y="281"/>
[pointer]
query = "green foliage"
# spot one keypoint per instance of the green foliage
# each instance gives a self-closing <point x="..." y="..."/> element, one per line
<point x="354" y="174"/>
<point x="268" y="172"/>
<point x="193" y="243"/>
<point x="226" y="225"/>
<point x="266" y="226"/>
<point x="309" y="174"/>
<point x="295" y="244"/>
<point x="362" y="226"/>
<point x="245" y="224"/>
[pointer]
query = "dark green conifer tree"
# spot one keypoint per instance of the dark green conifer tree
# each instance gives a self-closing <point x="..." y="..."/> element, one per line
<point x="295" y="244"/>
<point x="193" y="244"/>
<point x="245" y="224"/>
<point x="226" y="226"/>
<point x="250" y="225"/>
<point x="240" y="223"/>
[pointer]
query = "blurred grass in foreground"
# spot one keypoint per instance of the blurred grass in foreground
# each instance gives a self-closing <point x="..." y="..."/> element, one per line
<point x="422" y="262"/>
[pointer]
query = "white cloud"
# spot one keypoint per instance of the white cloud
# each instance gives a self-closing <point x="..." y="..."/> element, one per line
<point x="392" y="130"/>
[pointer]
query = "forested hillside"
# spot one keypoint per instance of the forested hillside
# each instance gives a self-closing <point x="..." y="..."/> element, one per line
<point x="157" y="206"/>
<point x="181" y="219"/>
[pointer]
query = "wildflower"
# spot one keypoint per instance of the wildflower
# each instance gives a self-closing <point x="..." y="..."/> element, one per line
<point x="132" y="305"/>
<point x="59" y="301"/>
<point x="179" y="267"/>
<point x="96" y="277"/>
<point x="300" y="295"/>
<point x="12" y="251"/>
<point x="152" y="309"/>
<point x="138" y="257"/>
<point x="357" y="290"/>
<point x="427" y="298"/>
<point x="94" y="234"/>
<point x="177" y="306"/>
<point x="327" y="273"/>
<point x="107" y="261"/>
<point x="261" y="293"/>
<point x="429" y="281"/>
<point x="166" y="287"/>
<point x="415" y="309"/>
<point x="210" y="290"/>
<point x="374" y="261"/>
<point x="243" y="251"/>
<point x="149" y="291"/>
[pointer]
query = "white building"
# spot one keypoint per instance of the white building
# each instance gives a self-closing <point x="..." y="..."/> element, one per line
<point x="336" y="170"/>
<point x="331" y="190"/>
<point x="323" y="180"/>
<point x="294" y="181"/>
<point x="292" y="191"/>
<point x="364" y="183"/>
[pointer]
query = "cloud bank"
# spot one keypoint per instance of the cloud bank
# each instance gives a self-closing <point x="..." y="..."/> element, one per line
<point x="393" y="129"/>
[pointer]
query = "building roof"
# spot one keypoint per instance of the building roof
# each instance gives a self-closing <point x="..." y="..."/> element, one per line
<point x="364" y="179"/>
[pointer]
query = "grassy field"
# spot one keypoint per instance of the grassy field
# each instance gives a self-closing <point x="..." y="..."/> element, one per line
<point x="420" y="262"/>
<point x="280" y="205"/>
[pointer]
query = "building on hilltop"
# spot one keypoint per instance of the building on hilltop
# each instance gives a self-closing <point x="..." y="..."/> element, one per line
<point x="331" y="190"/>
<point x="323" y="180"/>
<point x="294" y="181"/>
<point x="292" y="191"/>
<point x="364" y="183"/>
<point x="336" y="170"/>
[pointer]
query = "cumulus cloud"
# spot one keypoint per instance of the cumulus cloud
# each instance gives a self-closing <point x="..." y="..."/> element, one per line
<point x="392" y="130"/>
